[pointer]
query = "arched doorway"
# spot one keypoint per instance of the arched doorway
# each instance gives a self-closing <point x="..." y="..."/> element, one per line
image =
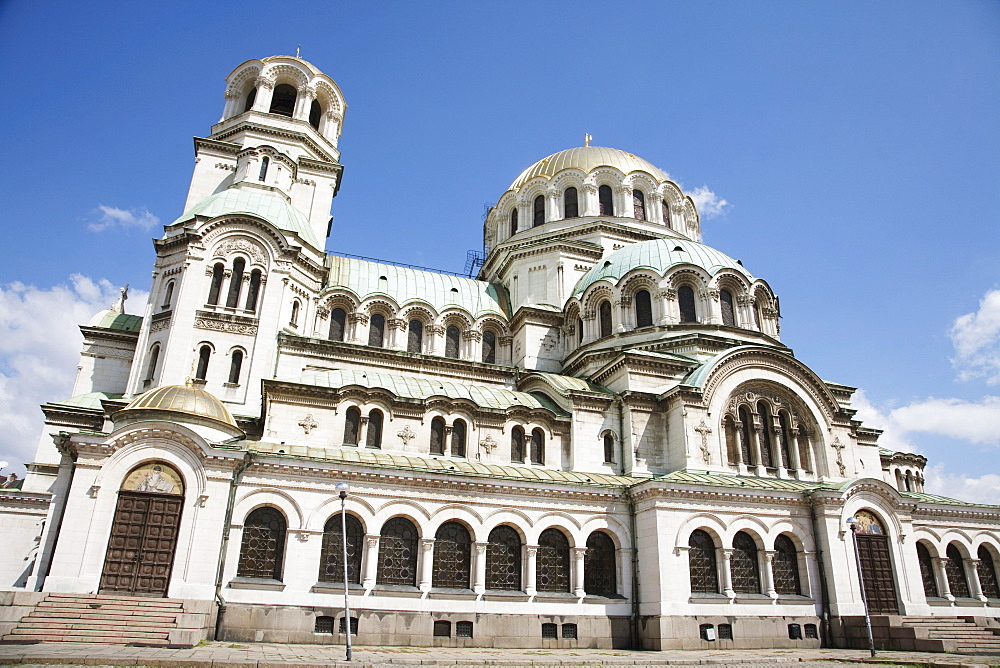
<point x="143" y="538"/>
<point x="876" y="564"/>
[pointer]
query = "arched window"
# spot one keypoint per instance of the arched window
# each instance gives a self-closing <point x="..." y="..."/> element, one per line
<point x="666" y="212"/>
<point x="154" y="357"/>
<point x="955" y="568"/>
<point x="538" y="211"/>
<point x="235" y="366"/>
<point x="265" y="161"/>
<point x="605" y="201"/>
<point x="756" y="316"/>
<point x="988" y="574"/>
<point x="744" y="564"/>
<point x="204" y="354"/>
<point x="571" y="205"/>
<point x="168" y="296"/>
<point x="927" y="571"/>
<point x="766" y="438"/>
<point x="643" y="309"/>
<point x="283" y="100"/>
<point x="218" y="271"/>
<point x="517" y="445"/>
<point x="786" y="433"/>
<point x="338" y="324"/>
<point x="263" y="544"/>
<point x="437" y="436"/>
<point x="489" y="347"/>
<point x="685" y="300"/>
<point x="609" y="449"/>
<point x="732" y="440"/>
<point x="315" y="113"/>
<point x="745" y="425"/>
<point x="785" y="566"/>
<point x="251" y="98"/>
<point x="604" y="318"/>
<point x="374" y="439"/>
<point x="451" y="336"/>
<point x="701" y="563"/>
<point x="294" y="320"/>
<point x="452" y="557"/>
<point x="253" y="292"/>
<point x="458" y="438"/>
<point x="397" y="553"/>
<point x="639" y="205"/>
<point x="415" y="337"/>
<point x="553" y="561"/>
<point x="728" y="314"/>
<point x="599" y="577"/>
<point x="376" y="330"/>
<point x="503" y="559"/>
<point x="537" y="446"/>
<point x="331" y="561"/>
<point x="236" y="283"/>
<point x="513" y="221"/>
<point x="352" y="425"/>
<point x="579" y="331"/>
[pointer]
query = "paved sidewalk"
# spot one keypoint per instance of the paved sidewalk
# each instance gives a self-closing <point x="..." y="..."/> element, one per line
<point x="262" y="655"/>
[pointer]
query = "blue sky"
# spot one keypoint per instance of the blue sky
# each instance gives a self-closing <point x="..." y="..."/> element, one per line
<point x="855" y="146"/>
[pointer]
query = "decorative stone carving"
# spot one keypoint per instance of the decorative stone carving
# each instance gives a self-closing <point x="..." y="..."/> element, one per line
<point x="241" y="245"/>
<point x="406" y="435"/>
<point x="308" y="423"/>
<point x="223" y="326"/>
<point x="704" y="430"/>
<point x="670" y="294"/>
<point x="488" y="444"/>
<point x="839" y="447"/>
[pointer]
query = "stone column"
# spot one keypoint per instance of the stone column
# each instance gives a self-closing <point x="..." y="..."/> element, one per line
<point x="756" y="435"/>
<point x="972" y="572"/>
<point x="942" y="577"/>
<point x="425" y="563"/>
<point x="331" y="129"/>
<point x="357" y="325"/>
<point x="579" y="585"/>
<point x="433" y="333"/>
<point x="265" y="91"/>
<point x="654" y="207"/>
<point x="767" y="571"/>
<point x="470" y="338"/>
<point x="588" y="201"/>
<point x="725" y="572"/>
<point x="624" y="208"/>
<point x="552" y="211"/>
<point x="670" y="312"/>
<point x="793" y="448"/>
<point x="479" y="582"/>
<point x="370" y="561"/>
<point x="396" y="333"/>
<point x="531" y="559"/>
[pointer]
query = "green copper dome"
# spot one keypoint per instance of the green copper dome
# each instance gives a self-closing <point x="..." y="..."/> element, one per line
<point x="268" y="204"/>
<point x="658" y="256"/>
<point x="112" y="319"/>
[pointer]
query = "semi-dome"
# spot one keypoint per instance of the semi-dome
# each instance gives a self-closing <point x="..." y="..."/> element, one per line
<point x="114" y="319"/>
<point x="180" y="400"/>
<point x="587" y="159"/>
<point x="658" y="255"/>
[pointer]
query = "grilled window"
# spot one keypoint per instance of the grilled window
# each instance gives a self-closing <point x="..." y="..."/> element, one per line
<point x="352" y="423"/>
<point x="451" y="342"/>
<point x="458" y="438"/>
<point x="701" y="562"/>
<point x="571" y="206"/>
<point x="537" y="446"/>
<point x="452" y="556"/>
<point x="283" y="100"/>
<point x="553" y="561"/>
<point x="599" y="576"/>
<point x="605" y="201"/>
<point x="331" y="563"/>
<point x="638" y="205"/>
<point x="728" y="314"/>
<point x="766" y="440"/>
<point x="927" y="571"/>
<point x="489" y="347"/>
<point x="253" y="291"/>
<point x="463" y="629"/>
<point x="338" y="324"/>
<point x="376" y="330"/>
<point x="685" y="300"/>
<point x="745" y="567"/>
<point x="785" y="566"/>
<point x="323" y="625"/>
<point x="988" y="574"/>
<point x="415" y="337"/>
<point x="235" y="366"/>
<point x="263" y="544"/>
<point x="725" y="631"/>
<point x="204" y="353"/>
<point x="437" y="436"/>
<point x="218" y="271"/>
<point x="604" y="313"/>
<point x="550" y="631"/>
<point x="539" y="211"/>
<point x="397" y="553"/>
<point x="745" y="450"/>
<point x="609" y="448"/>
<point x="503" y="559"/>
<point x="569" y="631"/>
<point x="374" y="439"/>
<point x="955" y="568"/>
<point x="643" y="309"/>
<point x="513" y="221"/>
<point x="517" y="445"/>
<point x="341" y="627"/>
<point x="236" y="283"/>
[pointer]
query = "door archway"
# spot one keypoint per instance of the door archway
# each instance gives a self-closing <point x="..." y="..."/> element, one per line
<point x="876" y="564"/>
<point x="143" y="539"/>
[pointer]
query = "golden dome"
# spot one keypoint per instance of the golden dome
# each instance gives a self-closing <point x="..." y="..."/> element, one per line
<point x="586" y="159"/>
<point x="182" y="400"/>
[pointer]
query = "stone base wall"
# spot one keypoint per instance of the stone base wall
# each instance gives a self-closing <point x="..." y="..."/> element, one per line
<point x="686" y="632"/>
<point x="14" y="605"/>
<point x="291" y="624"/>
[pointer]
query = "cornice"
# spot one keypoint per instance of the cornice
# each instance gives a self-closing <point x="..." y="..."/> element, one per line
<point x="535" y="248"/>
<point x="73" y="417"/>
<point x="271" y="131"/>
<point x="117" y="335"/>
<point x="529" y="314"/>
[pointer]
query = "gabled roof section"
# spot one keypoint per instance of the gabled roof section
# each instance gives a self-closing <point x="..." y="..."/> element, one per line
<point x="406" y="285"/>
<point x="89" y="401"/>
<point x="564" y="385"/>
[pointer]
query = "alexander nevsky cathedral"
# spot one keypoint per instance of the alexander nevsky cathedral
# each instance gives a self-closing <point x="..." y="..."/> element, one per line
<point x="599" y="441"/>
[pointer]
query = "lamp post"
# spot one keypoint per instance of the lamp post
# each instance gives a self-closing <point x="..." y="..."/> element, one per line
<point x="343" y="488"/>
<point x="853" y="523"/>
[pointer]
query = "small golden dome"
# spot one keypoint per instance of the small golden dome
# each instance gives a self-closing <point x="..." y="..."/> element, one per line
<point x="183" y="400"/>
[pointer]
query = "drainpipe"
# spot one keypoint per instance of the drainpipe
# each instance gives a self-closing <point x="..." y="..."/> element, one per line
<point x="47" y="555"/>
<point x="634" y="642"/>
<point x="224" y="547"/>
<point x="827" y="638"/>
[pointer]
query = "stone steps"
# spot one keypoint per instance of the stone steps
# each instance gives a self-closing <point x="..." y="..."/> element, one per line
<point x="963" y="634"/>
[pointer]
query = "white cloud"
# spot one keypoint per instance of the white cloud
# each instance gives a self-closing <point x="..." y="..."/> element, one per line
<point x="984" y="489"/>
<point x="109" y="216"/>
<point x="893" y="434"/>
<point x="39" y="349"/>
<point x="976" y="337"/>
<point x="708" y="203"/>
<point x="973" y="421"/>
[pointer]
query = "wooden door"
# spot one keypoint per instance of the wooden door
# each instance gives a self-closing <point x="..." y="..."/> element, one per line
<point x="876" y="571"/>
<point x="141" y="547"/>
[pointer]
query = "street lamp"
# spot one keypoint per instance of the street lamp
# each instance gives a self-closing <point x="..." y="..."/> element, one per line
<point x="853" y="523"/>
<point x="343" y="489"/>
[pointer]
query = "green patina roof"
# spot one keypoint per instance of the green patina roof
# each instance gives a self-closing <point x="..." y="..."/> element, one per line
<point x="944" y="500"/>
<point x="268" y="204"/>
<point x="414" y="286"/>
<point x="566" y="384"/>
<point x="411" y="387"/>
<point x="112" y="319"/>
<point x="658" y="255"/>
<point x="91" y="400"/>
<point x="746" y="482"/>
